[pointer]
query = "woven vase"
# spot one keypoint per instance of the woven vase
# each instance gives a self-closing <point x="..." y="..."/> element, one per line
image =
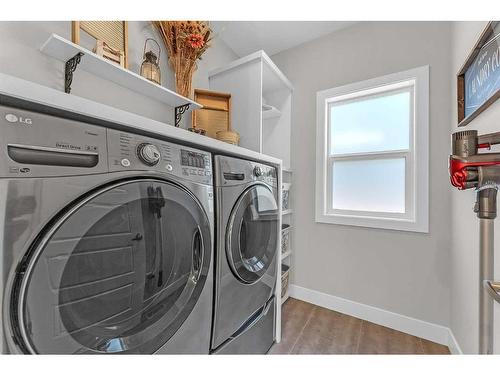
<point x="183" y="71"/>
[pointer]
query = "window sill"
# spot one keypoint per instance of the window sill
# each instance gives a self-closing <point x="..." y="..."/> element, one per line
<point x="421" y="226"/>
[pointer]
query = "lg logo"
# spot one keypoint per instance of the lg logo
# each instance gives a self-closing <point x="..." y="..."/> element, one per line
<point x="13" y="118"/>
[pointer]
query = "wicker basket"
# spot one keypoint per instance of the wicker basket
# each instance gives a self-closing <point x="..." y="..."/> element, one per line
<point x="285" y="273"/>
<point x="285" y="202"/>
<point x="228" y="136"/>
<point x="285" y="238"/>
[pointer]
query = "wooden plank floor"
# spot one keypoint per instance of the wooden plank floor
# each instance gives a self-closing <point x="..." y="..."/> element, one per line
<point x="310" y="329"/>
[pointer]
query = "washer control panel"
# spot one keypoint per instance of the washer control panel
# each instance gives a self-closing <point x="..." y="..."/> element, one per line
<point x="148" y="154"/>
<point x="34" y="144"/>
<point x="129" y="151"/>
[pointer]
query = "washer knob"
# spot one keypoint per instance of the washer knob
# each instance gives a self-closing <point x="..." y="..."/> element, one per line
<point x="148" y="154"/>
<point x="257" y="171"/>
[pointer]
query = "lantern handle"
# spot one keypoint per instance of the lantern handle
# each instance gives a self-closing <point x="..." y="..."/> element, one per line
<point x="159" y="49"/>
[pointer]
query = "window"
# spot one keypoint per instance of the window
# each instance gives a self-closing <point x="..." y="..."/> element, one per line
<point x="372" y="152"/>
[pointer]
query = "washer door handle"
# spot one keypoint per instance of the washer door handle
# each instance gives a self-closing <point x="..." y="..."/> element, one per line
<point x="198" y="252"/>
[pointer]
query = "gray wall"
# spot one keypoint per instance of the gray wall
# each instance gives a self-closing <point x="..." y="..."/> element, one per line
<point x="20" y="56"/>
<point x="403" y="272"/>
<point x="465" y="226"/>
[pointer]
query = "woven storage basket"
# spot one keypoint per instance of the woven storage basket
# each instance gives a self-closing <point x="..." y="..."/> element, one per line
<point x="285" y="238"/>
<point x="285" y="203"/>
<point x="228" y="136"/>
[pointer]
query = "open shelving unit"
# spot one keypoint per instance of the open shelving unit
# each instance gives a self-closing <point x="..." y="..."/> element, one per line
<point x="261" y="103"/>
<point x="287" y="226"/>
<point x="77" y="57"/>
<point x="286" y="254"/>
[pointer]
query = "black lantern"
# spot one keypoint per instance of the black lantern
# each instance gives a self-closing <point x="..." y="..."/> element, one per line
<point x="150" y="68"/>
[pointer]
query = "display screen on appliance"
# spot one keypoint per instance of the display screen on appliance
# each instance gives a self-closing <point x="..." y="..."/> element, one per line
<point x="192" y="159"/>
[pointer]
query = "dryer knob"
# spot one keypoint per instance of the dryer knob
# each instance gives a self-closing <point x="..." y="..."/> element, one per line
<point x="148" y="154"/>
<point x="257" y="171"/>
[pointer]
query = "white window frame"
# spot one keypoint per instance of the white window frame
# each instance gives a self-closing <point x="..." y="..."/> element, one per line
<point x="416" y="217"/>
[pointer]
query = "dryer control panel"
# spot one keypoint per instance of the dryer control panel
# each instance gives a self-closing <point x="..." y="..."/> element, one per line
<point x="127" y="151"/>
<point x="234" y="171"/>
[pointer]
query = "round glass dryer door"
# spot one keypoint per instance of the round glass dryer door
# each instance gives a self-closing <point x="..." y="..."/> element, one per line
<point x="252" y="235"/>
<point x="119" y="272"/>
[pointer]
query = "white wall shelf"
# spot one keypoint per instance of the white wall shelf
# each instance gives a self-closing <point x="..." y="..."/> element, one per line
<point x="285" y="297"/>
<point x="64" y="50"/>
<point x="286" y="254"/>
<point x="270" y="112"/>
<point x="275" y="79"/>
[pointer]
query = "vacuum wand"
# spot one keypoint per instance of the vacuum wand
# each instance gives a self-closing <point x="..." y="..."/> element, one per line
<point x="470" y="169"/>
<point x="486" y="205"/>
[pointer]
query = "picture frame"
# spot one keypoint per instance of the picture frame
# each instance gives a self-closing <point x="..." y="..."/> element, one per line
<point x="111" y="38"/>
<point x="478" y="80"/>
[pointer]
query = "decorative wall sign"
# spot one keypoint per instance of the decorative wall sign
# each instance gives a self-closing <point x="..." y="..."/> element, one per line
<point x="478" y="82"/>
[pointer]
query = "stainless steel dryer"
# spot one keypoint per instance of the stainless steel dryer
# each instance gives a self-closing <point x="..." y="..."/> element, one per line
<point x="247" y="244"/>
<point x="106" y="239"/>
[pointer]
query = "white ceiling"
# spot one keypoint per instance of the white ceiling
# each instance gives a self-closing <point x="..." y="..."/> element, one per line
<point x="245" y="37"/>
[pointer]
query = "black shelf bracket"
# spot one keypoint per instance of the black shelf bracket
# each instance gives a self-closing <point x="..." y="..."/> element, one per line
<point x="179" y="111"/>
<point x="69" y="69"/>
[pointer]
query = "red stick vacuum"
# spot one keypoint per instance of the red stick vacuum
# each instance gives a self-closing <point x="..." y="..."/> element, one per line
<point x="471" y="169"/>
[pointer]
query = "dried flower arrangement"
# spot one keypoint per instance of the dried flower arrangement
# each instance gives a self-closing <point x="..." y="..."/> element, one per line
<point x="186" y="42"/>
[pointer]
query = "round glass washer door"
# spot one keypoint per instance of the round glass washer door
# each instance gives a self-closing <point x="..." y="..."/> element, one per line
<point x="119" y="272"/>
<point x="252" y="234"/>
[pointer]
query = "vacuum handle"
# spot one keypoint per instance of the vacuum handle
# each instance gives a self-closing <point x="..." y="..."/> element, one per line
<point x="493" y="289"/>
<point x="490" y="139"/>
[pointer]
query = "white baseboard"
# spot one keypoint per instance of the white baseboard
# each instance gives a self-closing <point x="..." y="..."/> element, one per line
<point x="429" y="331"/>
